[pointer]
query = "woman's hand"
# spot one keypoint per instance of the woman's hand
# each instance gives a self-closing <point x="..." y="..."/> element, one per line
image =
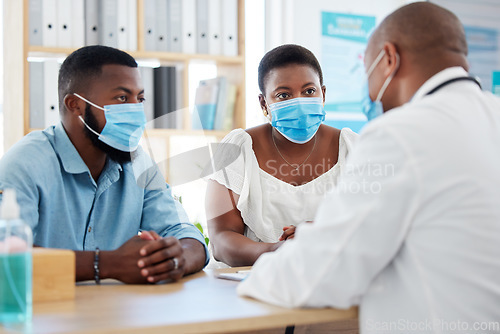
<point x="289" y="232"/>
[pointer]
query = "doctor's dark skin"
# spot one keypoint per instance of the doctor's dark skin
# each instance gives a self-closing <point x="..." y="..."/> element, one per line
<point x="145" y="258"/>
<point x="281" y="84"/>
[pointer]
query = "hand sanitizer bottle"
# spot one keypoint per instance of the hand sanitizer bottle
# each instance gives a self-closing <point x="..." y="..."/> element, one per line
<point x="16" y="242"/>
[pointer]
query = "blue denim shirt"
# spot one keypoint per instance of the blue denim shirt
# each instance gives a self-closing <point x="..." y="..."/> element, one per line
<point x="66" y="208"/>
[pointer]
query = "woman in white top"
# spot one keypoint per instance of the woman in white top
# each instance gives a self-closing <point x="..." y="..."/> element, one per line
<point x="272" y="178"/>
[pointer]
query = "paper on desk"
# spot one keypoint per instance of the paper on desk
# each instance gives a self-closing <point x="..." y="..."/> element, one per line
<point x="237" y="276"/>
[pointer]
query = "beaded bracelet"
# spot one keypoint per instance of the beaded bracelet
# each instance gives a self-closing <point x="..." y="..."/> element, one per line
<point x="96" y="267"/>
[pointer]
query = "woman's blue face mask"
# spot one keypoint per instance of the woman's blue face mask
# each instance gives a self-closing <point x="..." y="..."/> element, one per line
<point x="125" y="123"/>
<point x="298" y="119"/>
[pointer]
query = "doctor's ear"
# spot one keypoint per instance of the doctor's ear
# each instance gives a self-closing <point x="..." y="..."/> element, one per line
<point x="323" y="89"/>
<point x="391" y="60"/>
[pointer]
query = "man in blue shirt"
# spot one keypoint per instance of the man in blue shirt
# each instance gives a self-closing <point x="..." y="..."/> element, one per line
<point x="85" y="185"/>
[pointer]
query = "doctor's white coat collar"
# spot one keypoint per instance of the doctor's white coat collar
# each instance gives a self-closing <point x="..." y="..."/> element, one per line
<point x="437" y="79"/>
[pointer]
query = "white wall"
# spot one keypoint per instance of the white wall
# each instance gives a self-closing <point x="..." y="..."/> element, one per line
<point x="484" y="14"/>
<point x="299" y="21"/>
<point x="254" y="51"/>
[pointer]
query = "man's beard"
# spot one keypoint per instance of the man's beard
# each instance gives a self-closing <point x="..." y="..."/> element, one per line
<point x="120" y="157"/>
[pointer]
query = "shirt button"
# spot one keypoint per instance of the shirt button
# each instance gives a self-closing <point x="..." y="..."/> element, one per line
<point x="90" y="229"/>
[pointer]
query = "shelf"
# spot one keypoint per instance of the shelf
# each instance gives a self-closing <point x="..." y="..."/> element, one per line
<point x="17" y="97"/>
<point x="182" y="132"/>
<point x="177" y="132"/>
<point x="41" y="51"/>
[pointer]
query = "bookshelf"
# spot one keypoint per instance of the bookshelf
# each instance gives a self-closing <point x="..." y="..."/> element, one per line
<point x="16" y="73"/>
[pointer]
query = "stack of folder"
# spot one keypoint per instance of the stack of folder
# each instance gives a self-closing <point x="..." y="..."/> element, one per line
<point x="75" y="23"/>
<point x="179" y="26"/>
<point x="44" y="103"/>
<point x="192" y="26"/>
<point x="161" y="94"/>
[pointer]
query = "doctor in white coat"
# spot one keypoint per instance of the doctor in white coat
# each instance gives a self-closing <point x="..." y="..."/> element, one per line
<point x="412" y="233"/>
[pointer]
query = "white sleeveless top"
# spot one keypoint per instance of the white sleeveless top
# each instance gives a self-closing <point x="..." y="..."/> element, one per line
<point x="266" y="203"/>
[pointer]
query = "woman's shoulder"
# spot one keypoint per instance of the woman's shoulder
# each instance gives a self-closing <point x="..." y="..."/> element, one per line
<point x="237" y="137"/>
<point x="258" y="131"/>
<point x="235" y="144"/>
<point x="348" y="135"/>
<point x="345" y="138"/>
<point x="347" y="141"/>
<point x="259" y="136"/>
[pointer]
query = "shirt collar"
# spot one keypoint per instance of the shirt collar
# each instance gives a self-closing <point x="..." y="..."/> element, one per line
<point x="71" y="160"/>
<point x="437" y="79"/>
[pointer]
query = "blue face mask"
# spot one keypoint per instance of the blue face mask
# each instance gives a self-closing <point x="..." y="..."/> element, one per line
<point x="373" y="109"/>
<point x="298" y="119"/>
<point x="124" y="126"/>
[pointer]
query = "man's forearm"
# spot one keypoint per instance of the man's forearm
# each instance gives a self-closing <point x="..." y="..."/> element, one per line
<point x="194" y="254"/>
<point x="85" y="265"/>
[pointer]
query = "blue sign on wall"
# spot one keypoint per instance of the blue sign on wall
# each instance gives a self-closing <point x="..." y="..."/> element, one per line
<point x="343" y="43"/>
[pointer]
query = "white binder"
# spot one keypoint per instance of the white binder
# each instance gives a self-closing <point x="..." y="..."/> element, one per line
<point x="49" y="18"/>
<point x="148" y="83"/>
<point x="37" y="117"/>
<point x="64" y="23"/>
<point x="214" y="27"/>
<point x="92" y="28"/>
<point x="150" y="25"/>
<point x="122" y="28"/>
<point x="188" y="26"/>
<point x="78" y="20"/>
<point x="132" y="25"/>
<point x="230" y="27"/>
<point x="174" y="12"/>
<point x="35" y="22"/>
<point x="51" y="103"/>
<point x="108" y="21"/>
<point x="161" y="24"/>
<point x="202" y="26"/>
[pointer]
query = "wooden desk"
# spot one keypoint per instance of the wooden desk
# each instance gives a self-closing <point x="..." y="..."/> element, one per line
<point x="199" y="303"/>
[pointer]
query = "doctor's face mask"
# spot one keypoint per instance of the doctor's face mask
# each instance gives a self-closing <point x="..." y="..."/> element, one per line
<point x="373" y="109"/>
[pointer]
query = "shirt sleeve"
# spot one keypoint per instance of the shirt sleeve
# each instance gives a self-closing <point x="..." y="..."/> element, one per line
<point x="349" y="139"/>
<point x="163" y="213"/>
<point x="356" y="233"/>
<point x="17" y="173"/>
<point x="227" y="167"/>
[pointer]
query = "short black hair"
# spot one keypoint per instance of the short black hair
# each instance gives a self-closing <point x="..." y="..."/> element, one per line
<point x="284" y="55"/>
<point x="86" y="63"/>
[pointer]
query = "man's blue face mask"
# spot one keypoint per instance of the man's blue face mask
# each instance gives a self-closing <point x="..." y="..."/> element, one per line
<point x="298" y="119"/>
<point x="124" y="127"/>
<point x="373" y="109"/>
